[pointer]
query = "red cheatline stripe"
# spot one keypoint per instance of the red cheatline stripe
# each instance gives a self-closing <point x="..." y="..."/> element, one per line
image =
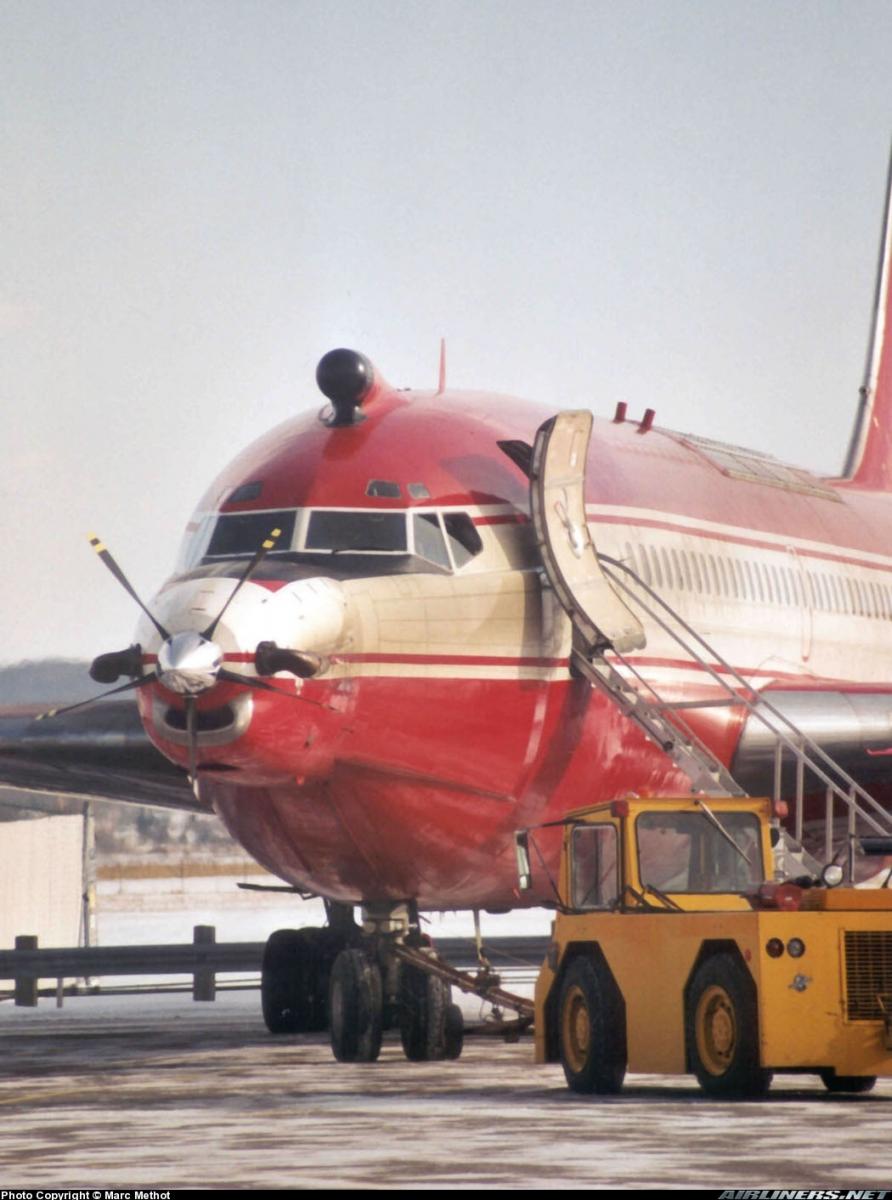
<point x="507" y="519"/>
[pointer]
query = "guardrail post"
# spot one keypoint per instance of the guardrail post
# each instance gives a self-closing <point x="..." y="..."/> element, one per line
<point x="25" y="985"/>
<point x="204" y="982"/>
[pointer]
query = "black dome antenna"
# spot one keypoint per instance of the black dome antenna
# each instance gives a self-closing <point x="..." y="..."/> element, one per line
<point x="345" y="377"/>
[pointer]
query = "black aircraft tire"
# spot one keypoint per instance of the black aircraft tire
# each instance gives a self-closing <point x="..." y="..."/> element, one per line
<point x="424" y="1016"/>
<point x="722" y="1030"/>
<point x="294" y="979"/>
<point x="454" y="1032"/>
<point x="591" y="1037"/>
<point x="847" y="1083"/>
<point x="355" y="1007"/>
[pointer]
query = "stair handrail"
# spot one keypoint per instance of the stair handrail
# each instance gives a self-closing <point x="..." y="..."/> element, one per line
<point x="797" y="747"/>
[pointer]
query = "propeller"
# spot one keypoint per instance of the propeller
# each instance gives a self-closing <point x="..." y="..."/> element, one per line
<point x="190" y="663"/>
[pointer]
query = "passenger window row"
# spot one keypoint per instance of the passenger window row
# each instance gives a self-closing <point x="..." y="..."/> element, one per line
<point x="759" y="582"/>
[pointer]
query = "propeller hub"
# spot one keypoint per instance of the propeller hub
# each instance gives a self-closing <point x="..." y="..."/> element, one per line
<point x="189" y="664"/>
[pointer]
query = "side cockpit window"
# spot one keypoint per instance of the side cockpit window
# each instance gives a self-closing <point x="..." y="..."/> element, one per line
<point x="429" y="540"/>
<point x="464" y="540"/>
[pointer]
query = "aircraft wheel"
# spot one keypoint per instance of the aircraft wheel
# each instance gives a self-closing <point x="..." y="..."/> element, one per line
<point x="431" y="1027"/>
<point x="847" y="1083"/>
<point x="592" y="1040"/>
<point x="294" y="979"/>
<point x="722" y="1030"/>
<point x="455" y="1032"/>
<point x="355" y="1007"/>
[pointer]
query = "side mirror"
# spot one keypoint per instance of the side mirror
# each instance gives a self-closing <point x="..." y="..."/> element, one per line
<point x="522" y="851"/>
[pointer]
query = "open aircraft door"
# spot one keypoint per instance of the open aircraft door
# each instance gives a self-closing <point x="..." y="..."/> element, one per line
<point x="557" y="502"/>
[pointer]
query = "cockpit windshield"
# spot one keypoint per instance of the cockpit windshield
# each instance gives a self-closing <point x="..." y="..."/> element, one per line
<point x="243" y="533"/>
<point x="383" y="532"/>
<point x="398" y="539"/>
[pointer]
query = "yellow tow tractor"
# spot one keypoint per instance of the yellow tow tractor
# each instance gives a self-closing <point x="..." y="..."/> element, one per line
<point x="671" y="953"/>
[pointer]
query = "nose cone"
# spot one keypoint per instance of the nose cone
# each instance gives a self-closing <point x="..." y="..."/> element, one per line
<point x="188" y="663"/>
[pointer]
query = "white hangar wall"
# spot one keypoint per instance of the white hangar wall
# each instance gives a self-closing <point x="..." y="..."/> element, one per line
<point x="41" y="879"/>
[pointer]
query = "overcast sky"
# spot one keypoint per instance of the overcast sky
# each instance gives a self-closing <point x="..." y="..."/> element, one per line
<point x="671" y="202"/>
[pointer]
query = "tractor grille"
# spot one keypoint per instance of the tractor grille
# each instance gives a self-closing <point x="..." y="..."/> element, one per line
<point x="868" y="973"/>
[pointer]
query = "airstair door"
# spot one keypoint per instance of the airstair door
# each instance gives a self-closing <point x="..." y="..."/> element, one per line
<point x="571" y="563"/>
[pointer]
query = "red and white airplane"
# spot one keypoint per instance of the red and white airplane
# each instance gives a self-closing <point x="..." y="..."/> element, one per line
<point x="386" y="696"/>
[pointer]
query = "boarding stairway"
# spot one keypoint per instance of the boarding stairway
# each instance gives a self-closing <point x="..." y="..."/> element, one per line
<point x="608" y="603"/>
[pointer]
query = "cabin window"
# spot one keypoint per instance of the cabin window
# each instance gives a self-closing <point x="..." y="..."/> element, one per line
<point x="381" y="532"/>
<point x="725" y="581"/>
<point x="860" y="607"/>
<point x="783" y="585"/>
<point x="686" y="567"/>
<point x="696" y="564"/>
<point x="750" y="581"/>
<point x="429" y="540"/>
<point x="643" y="564"/>
<point x="464" y="540"/>
<point x="667" y="567"/>
<point x="839" y="604"/>
<point x="418" y="491"/>
<point x="655" y="567"/>
<point x="236" y="534"/>
<point x="796" y="584"/>
<point x="595" y="877"/>
<point x="825" y="593"/>
<point x="884" y="600"/>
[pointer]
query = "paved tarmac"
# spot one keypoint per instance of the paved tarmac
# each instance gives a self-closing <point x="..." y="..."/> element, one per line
<point x="161" y="1092"/>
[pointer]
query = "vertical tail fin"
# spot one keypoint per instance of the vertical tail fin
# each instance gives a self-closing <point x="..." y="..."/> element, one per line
<point x="869" y="458"/>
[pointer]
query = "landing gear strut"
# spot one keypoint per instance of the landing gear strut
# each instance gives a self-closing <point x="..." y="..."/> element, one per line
<point x="373" y="989"/>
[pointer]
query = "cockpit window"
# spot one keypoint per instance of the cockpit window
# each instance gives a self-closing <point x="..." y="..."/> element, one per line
<point x="244" y="533"/>
<point x="464" y="540"/>
<point x="245" y="492"/>
<point x="383" y="487"/>
<point x="371" y="531"/>
<point x="429" y="540"/>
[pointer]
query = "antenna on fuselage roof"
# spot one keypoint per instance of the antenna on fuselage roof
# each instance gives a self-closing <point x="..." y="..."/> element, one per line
<point x="441" y="386"/>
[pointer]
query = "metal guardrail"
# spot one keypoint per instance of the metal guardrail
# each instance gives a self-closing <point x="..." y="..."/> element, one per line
<point x="204" y="958"/>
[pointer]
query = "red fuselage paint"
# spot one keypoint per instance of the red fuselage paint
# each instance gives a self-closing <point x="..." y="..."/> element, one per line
<point x="447" y="716"/>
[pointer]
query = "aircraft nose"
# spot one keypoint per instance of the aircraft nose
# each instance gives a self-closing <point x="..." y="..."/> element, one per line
<point x="189" y="663"/>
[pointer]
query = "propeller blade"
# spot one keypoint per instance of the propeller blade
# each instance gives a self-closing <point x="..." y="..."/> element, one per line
<point x="125" y="687"/>
<point x="122" y="579"/>
<point x="252" y="566"/>
<point x="192" y="735"/>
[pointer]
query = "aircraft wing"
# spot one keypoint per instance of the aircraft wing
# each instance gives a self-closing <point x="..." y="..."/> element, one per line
<point x="100" y="752"/>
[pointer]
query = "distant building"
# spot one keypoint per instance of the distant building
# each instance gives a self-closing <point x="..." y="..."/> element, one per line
<point x="41" y="877"/>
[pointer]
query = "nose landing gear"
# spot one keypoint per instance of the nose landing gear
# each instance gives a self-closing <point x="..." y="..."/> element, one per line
<point x="359" y="981"/>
